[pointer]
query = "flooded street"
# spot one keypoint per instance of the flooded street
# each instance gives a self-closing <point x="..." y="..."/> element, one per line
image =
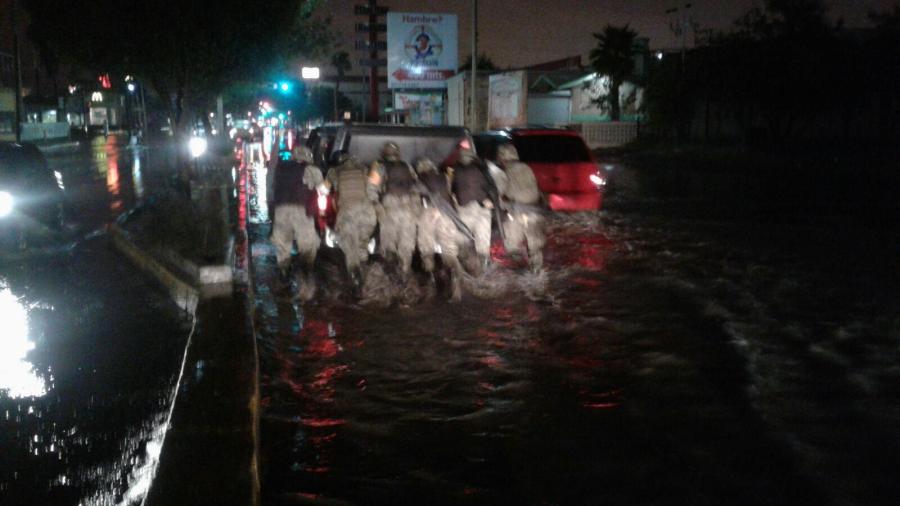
<point x="90" y="350"/>
<point x="664" y="358"/>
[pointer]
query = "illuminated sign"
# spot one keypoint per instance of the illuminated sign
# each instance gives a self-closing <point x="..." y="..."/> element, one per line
<point x="422" y="49"/>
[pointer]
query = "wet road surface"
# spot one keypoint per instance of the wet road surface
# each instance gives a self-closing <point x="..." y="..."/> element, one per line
<point x="89" y="352"/>
<point x="664" y="358"/>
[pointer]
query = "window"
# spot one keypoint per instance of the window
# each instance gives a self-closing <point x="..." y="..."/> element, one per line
<point x="551" y="148"/>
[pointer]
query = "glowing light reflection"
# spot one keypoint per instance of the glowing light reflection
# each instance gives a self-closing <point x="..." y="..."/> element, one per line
<point x="138" y="177"/>
<point x="16" y="376"/>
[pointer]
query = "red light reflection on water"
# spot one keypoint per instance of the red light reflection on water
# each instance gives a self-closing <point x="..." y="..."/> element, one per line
<point x="592" y="252"/>
<point x="323" y="422"/>
<point x="110" y="155"/>
<point x="326" y="377"/>
<point x="242" y="244"/>
<point x="602" y="400"/>
<point x="589" y="250"/>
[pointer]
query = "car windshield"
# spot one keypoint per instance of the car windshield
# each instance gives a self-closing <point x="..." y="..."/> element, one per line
<point x="551" y="148"/>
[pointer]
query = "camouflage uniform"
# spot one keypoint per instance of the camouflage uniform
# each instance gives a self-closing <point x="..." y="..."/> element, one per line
<point x="400" y="206"/>
<point x="293" y="186"/>
<point x="355" y="222"/>
<point x="436" y="231"/>
<point x="520" y="192"/>
<point x="472" y="192"/>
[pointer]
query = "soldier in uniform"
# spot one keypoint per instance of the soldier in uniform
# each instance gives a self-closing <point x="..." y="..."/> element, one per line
<point x="355" y="221"/>
<point x="438" y="228"/>
<point x="521" y="199"/>
<point x="395" y="180"/>
<point x="473" y="194"/>
<point x="295" y="183"/>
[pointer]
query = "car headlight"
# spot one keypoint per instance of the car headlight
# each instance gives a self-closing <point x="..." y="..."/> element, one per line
<point x="6" y="204"/>
<point x="197" y="146"/>
<point x="597" y="179"/>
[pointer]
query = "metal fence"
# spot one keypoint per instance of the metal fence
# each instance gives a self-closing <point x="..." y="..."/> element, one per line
<point x="608" y="134"/>
<point x="45" y="131"/>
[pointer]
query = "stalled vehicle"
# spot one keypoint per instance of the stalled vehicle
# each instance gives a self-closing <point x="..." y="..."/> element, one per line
<point x="565" y="169"/>
<point x="31" y="196"/>
<point x="364" y="141"/>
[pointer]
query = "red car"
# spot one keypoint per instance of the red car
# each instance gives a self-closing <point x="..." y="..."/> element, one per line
<point x="564" y="167"/>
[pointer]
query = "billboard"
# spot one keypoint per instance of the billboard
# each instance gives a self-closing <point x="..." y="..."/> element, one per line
<point x="507" y="100"/>
<point x="422" y="108"/>
<point x="422" y="49"/>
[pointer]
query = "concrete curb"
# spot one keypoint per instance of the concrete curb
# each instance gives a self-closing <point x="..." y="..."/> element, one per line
<point x="211" y="450"/>
<point x="183" y="294"/>
<point x="61" y="148"/>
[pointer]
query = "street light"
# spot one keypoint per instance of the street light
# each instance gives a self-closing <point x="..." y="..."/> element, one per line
<point x="197" y="146"/>
<point x="309" y="72"/>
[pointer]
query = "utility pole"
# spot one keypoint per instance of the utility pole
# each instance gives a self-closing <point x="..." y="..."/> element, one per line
<point x="371" y="47"/>
<point x="680" y="27"/>
<point x="373" y="54"/>
<point x="17" y="64"/>
<point x="474" y="79"/>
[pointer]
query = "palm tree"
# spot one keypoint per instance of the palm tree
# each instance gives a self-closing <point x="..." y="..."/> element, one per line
<point x="613" y="57"/>
<point x="341" y="63"/>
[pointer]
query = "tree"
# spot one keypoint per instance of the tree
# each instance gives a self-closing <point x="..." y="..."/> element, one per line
<point x="189" y="52"/>
<point x="884" y="70"/>
<point x="341" y="63"/>
<point x="614" y="57"/>
<point x="484" y="63"/>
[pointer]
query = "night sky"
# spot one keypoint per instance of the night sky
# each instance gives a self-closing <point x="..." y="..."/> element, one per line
<point x="519" y="33"/>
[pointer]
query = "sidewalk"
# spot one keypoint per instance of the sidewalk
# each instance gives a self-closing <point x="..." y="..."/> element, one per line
<point x="58" y="147"/>
<point x="209" y="454"/>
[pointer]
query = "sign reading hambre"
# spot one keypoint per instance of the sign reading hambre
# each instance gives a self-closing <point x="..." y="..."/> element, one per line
<point x="422" y="49"/>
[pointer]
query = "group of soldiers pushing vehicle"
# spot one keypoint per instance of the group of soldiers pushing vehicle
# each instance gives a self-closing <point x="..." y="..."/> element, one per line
<point x="443" y="212"/>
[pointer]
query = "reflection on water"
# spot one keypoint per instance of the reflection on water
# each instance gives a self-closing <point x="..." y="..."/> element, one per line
<point x="17" y="378"/>
<point x="666" y="362"/>
<point x="85" y="423"/>
<point x="138" y="177"/>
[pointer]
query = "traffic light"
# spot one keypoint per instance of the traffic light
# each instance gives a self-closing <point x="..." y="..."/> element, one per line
<point x="284" y="86"/>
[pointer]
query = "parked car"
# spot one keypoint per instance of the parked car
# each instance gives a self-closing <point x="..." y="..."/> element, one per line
<point x="30" y="196"/>
<point x="564" y="167"/>
<point x="364" y="141"/>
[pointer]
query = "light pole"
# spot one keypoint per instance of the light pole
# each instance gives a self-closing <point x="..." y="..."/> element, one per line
<point x="474" y="84"/>
<point x="679" y="28"/>
<point x="310" y="75"/>
<point x="18" y="70"/>
<point x="132" y="87"/>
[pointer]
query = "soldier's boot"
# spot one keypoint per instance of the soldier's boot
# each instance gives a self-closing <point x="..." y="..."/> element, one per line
<point x="485" y="261"/>
<point x="284" y="278"/>
<point x="356" y="282"/>
<point x="428" y="263"/>
<point x="471" y="263"/>
<point x="455" y="277"/>
<point x="536" y="260"/>
<point x="306" y="283"/>
<point x="405" y="271"/>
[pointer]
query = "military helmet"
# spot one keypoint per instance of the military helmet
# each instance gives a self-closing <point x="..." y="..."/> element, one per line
<point x="340" y="157"/>
<point x="507" y="153"/>
<point x="466" y="156"/>
<point x="390" y="151"/>
<point x="302" y="153"/>
<point x="424" y="165"/>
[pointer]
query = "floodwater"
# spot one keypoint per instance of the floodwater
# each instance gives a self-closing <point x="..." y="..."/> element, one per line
<point x="86" y="383"/>
<point x="663" y="358"/>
